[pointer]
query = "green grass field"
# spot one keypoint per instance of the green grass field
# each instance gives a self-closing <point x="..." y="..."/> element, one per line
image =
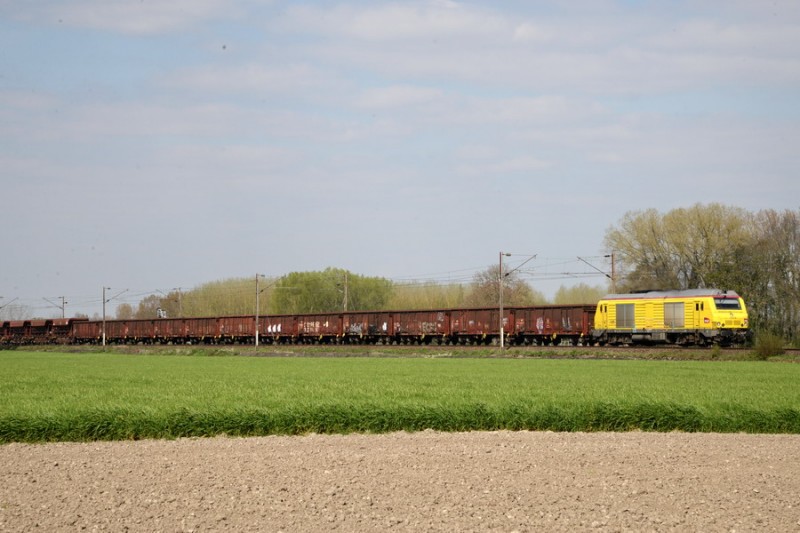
<point x="101" y="396"/>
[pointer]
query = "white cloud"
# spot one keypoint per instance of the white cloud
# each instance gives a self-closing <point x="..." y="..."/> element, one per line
<point x="125" y="16"/>
<point x="532" y="32"/>
<point x="398" y="96"/>
<point x="596" y="52"/>
<point x="502" y="165"/>
<point x="26" y="101"/>
<point x="395" y="21"/>
<point x="253" y="78"/>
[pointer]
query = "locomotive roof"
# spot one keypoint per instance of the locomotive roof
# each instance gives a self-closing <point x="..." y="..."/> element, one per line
<point x="690" y="293"/>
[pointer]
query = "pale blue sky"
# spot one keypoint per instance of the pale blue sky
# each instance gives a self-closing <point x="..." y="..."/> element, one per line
<point x="150" y="145"/>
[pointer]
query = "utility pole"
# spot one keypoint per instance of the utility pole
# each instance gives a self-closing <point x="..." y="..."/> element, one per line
<point x="105" y="301"/>
<point x="612" y="276"/>
<point x="104" y="314"/>
<point x="180" y="304"/>
<point x="62" y="306"/>
<point x="257" y="303"/>
<point x="344" y="303"/>
<point x="500" y="286"/>
<point x="613" y="273"/>
<point x="500" y="277"/>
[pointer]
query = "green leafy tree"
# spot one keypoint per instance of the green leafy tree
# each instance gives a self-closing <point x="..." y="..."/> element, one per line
<point x="579" y="294"/>
<point x="333" y="289"/>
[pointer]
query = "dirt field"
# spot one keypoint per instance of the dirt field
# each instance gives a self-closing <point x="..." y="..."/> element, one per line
<point x="494" y="481"/>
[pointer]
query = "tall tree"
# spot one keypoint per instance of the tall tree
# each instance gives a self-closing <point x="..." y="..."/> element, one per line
<point x="681" y="249"/>
<point x="771" y="267"/>
<point x="333" y="289"/>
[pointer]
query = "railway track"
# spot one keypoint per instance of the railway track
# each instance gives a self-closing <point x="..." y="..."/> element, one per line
<point x="662" y="352"/>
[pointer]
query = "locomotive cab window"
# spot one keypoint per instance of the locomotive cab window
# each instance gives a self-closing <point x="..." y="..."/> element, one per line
<point x="727" y="304"/>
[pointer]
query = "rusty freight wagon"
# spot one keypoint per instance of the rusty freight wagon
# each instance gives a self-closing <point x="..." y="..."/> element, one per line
<point x="236" y="329"/>
<point x="367" y="327"/>
<point x="423" y="327"/>
<point x="60" y="330"/>
<point x="477" y="326"/>
<point x="128" y="331"/>
<point x="87" y="332"/>
<point x="19" y="332"/>
<point x="552" y="324"/>
<point x="322" y="328"/>
<point x="40" y="331"/>
<point x="278" y="329"/>
<point x="201" y="330"/>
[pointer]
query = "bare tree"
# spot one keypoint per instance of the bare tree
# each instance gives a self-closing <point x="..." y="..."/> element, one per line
<point x="485" y="290"/>
<point x="124" y="311"/>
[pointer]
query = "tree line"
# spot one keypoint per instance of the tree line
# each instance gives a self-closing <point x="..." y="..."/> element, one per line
<point x="757" y="254"/>
<point x="336" y="289"/>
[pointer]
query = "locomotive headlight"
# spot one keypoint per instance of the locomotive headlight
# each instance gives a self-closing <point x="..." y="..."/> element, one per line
<point x="718" y="324"/>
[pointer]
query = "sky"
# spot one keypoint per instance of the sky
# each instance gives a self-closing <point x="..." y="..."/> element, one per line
<point x="151" y="145"/>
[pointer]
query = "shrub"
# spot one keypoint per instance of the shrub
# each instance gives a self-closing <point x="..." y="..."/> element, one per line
<point x="769" y="344"/>
<point x="716" y="351"/>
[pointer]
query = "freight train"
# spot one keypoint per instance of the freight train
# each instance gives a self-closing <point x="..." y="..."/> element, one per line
<point x="697" y="317"/>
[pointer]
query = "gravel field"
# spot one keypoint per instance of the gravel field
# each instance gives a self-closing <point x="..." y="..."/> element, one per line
<point x="428" y="481"/>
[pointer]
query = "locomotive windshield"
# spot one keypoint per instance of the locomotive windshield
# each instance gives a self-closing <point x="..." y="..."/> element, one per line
<point x="727" y="304"/>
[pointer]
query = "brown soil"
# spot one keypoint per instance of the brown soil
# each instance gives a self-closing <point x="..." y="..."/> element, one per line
<point x="429" y="481"/>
